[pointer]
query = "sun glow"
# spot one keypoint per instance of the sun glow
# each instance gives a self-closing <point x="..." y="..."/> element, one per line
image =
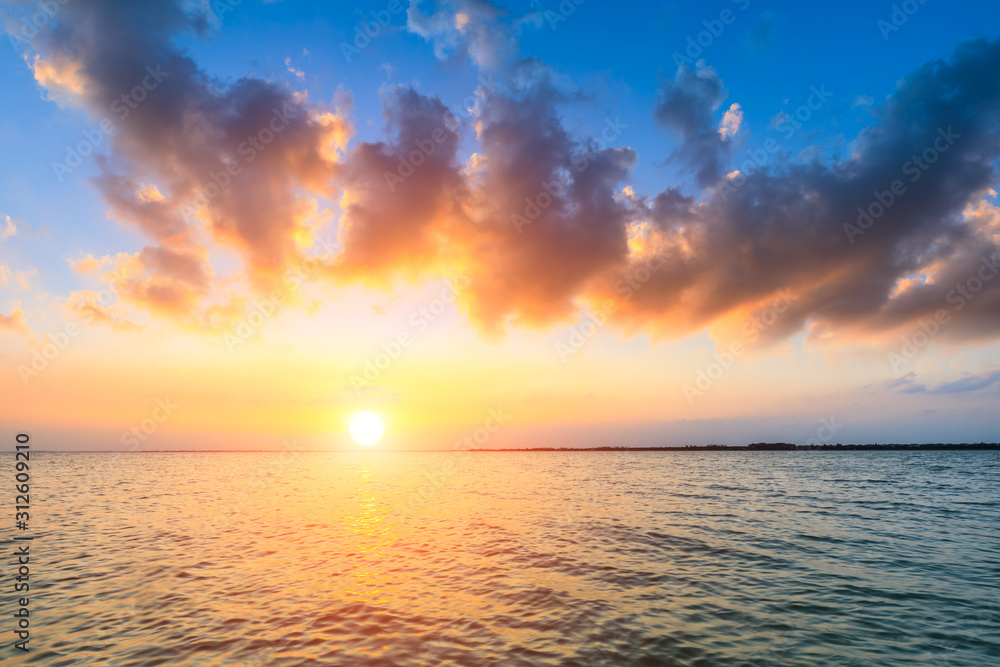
<point x="367" y="428"/>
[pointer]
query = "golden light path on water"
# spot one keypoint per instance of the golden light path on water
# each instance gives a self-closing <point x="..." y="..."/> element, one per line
<point x="374" y="539"/>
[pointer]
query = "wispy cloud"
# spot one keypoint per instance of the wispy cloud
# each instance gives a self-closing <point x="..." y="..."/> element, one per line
<point x="967" y="384"/>
<point x="15" y="322"/>
<point x="475" y="29"/>
<point x="9" y="229"/>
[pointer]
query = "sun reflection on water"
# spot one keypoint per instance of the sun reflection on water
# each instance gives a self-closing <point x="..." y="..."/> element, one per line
<point x="373" y="538"/>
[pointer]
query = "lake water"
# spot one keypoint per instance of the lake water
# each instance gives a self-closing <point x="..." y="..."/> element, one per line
<point x="515" y="558"/>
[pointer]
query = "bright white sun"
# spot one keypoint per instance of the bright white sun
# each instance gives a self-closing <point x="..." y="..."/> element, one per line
<point x="367" y="428"/>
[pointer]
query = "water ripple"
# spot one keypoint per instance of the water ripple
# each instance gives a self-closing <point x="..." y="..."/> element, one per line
<point x="545" y="558"/>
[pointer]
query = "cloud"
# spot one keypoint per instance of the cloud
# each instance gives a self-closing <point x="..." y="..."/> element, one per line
<point x="15" y="322"/>
<point x="297" y="72"/>
<point x="965" y="385"/>
<point x="541" y="220"/>
<point x="88" y="305"/>
<point x="686" y="106"/>
<point x="547" y="215"/>
<point x="529" y="219"/>
<point x="968" y="384"/>
<point x="194" y="162"/>
<point x="21" y="278"/>
<point x="17" y="278"/>
<point x="784" y="227"/>
<point x="723" y="257"/>
<point x="87" y="264"/>
<point x="904" y="381"/>
<point x="732" y="120"/>
<point x="26" y="230"/>
<point x="60" y="76"/>
<point x="9" y="229"/>
<point x="779" y="118"/>
<point x="400" y="197"/>
<point x="474" y="29"/>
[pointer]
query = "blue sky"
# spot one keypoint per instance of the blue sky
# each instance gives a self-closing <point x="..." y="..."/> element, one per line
<point x="617" y="56"/>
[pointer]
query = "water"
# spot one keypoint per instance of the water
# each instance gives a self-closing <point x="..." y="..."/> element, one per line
<point x="515" y="558"/>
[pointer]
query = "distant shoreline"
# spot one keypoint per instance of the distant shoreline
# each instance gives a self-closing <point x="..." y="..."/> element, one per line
<point x="762" y="447"/>
<point x="755" y="447"/>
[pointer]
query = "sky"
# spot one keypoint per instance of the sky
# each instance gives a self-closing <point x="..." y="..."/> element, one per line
<point x="237" y="224"/>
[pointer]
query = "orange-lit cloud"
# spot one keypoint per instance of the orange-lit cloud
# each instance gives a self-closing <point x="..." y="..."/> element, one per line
<point x="8" y="230"/>
<point x="86" y="265"/>
<point x="732" y="120"/>
<point x="542" y="221"/>
<point x="403" y="199"/>
<point x="59" y="75"/>
<point x="192" y="164"/>
<point x="15" y="322"/>
<point x="87" y="305"/>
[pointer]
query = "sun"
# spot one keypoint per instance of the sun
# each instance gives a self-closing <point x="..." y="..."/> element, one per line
<point x="367" y="428"/>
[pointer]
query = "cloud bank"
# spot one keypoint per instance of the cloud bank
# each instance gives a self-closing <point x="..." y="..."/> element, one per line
<point x="541" y="221"/>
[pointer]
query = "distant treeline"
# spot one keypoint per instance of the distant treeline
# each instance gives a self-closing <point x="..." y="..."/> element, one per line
<point x="936" y="446"/>
<point x="759" y="446"/>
